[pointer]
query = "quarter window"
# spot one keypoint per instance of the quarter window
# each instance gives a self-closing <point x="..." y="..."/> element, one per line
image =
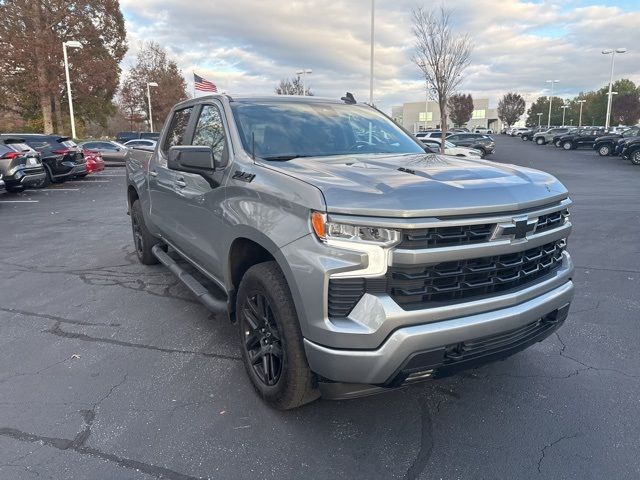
<point x="210" y="131"/>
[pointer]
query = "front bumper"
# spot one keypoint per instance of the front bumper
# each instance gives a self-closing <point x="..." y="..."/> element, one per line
<point x="426" y="349"/>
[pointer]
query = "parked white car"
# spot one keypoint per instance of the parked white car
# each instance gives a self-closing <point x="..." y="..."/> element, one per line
<point x="482" y="130"/>
<point x="517" y="131"/>
<point x="451" y="149"/>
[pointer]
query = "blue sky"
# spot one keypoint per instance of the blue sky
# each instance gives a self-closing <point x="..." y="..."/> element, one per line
<point x="247" y="46"/>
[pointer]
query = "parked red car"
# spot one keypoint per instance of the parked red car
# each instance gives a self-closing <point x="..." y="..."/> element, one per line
<point x="95" y="163"/>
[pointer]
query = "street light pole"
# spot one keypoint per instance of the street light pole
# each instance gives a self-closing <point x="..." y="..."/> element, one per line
<point x="539" y="118"/>
<point x="552" y="82"/>
<point x="373" y="11"/>
<point x="150" y="84"/>
<point x="304" y="72"/>
<point x="70" y="44"/>
<point x="613" y="57"/>
<point x="581" y="102"/>
<point x="564" y="110"/>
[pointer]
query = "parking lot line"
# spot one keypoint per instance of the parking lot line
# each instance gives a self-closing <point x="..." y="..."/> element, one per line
<point x="19" y="201"/>
<point x="55" y="190"/>
<point x="89" y="181"/>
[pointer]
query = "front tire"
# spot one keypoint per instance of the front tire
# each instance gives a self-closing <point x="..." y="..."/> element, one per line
<point x="635" y="157"/>
<point x="143" y="241"/>
<point x="540" y="141"/>
<point x="557" y="143"/>
<point x="271" y="340"/>
<point x="604" y="150"/>
<point x="567" y="145"/>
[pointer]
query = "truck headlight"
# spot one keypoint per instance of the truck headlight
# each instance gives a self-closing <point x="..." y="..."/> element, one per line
<point x="325" y="231"/>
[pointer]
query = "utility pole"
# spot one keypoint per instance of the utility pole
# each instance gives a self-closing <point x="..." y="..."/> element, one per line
<point x="373" y="11"/>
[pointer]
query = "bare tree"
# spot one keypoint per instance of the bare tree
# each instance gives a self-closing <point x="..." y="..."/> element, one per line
<point x="292" y="87"/>
<point x="441" y="55"/>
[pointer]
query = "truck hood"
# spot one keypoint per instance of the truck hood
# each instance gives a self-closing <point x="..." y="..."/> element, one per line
<point x="421" y="185"/>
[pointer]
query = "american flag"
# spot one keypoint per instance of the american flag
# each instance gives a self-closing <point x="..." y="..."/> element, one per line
<point x="203" y="85"/>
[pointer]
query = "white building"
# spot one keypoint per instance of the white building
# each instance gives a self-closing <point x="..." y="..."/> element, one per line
<point x="414" y="118"/>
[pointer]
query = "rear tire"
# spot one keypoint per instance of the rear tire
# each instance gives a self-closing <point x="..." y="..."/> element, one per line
<point x="271" y="340"/>
<point x="557" y="144"/>
<point x="635" y="157"/>
<point x="143" y="241"/>
<point x="604" y="150"/>
<point x="540" y="141"/>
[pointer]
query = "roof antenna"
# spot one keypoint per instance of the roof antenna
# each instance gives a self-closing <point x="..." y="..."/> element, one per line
<point x="349" y="98"/>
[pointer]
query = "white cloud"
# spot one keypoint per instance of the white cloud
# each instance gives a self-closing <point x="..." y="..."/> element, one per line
<point x="246" y="46"/>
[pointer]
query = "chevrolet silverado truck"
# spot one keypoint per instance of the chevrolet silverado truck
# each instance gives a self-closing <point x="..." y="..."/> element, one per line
<point x="351" y="260"/>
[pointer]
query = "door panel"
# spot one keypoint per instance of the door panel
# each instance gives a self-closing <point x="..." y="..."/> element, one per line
<point x="165" y="210"/>
<point x="201" y="217"/>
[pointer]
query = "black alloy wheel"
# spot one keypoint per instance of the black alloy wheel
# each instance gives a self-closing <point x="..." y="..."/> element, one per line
<point x="262" y="340"/>
<point x="138" y="240"/>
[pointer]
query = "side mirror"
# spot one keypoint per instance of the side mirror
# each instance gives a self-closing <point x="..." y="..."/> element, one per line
<point x="192" y="158"/>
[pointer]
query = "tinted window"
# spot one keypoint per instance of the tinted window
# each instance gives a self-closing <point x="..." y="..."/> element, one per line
<point x="177" y="128"/>
<point x="210" y="131"/>
<point x="106" y="146"/>
<point x="283" y="130"/>
<point x="453" y="138"/>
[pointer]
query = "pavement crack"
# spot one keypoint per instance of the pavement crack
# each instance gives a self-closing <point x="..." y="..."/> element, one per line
<point x="72" y="445"/>
<point x="587" y="366"/>
<point x="56" y="318"/>
<point x="426" y="443"/>
<point x="550" y="445"/>
<point x="37" y="372"/>
<point x="57" y="331"/>
<point x="89" y="416"/>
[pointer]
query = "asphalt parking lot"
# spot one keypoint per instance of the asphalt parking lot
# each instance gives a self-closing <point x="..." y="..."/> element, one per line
<point x="112" y="370"/>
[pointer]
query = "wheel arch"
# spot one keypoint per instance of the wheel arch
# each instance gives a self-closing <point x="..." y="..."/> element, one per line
<point x="132" y="196"/>
<point x="251" y="247"/>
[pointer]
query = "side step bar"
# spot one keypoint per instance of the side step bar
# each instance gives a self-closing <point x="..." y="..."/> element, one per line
<point x="214" y="304"/>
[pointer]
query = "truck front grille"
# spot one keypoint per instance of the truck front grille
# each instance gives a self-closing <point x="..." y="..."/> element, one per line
<point x="446" y="236"/>
<point x="450" y="282"/>
<point x="439" y="237"/>
<point x="424" y="286"/>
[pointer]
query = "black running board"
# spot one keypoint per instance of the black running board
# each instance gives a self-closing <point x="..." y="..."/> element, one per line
<point x="216" y="305"/>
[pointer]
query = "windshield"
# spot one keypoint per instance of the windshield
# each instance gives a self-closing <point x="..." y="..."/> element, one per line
<point x="286" y="130"/>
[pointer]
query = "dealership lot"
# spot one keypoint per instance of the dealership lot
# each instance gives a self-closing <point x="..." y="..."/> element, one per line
<point x="109" y="369"/>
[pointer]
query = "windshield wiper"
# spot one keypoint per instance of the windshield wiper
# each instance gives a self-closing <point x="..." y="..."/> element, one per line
<point x="284" y="158"/>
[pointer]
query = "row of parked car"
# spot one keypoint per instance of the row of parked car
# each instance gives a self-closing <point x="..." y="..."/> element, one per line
<point x="30" y="160"/>
<point x="625" y="143"/>
<point x="459" y="143"/>
<point x="622" y="142"/>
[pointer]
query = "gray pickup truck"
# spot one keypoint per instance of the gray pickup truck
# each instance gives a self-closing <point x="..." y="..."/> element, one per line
<point x="352" y="261"/>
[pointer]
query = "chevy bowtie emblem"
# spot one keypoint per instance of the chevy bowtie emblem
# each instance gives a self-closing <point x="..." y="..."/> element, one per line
<point x="516" y="230"/>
